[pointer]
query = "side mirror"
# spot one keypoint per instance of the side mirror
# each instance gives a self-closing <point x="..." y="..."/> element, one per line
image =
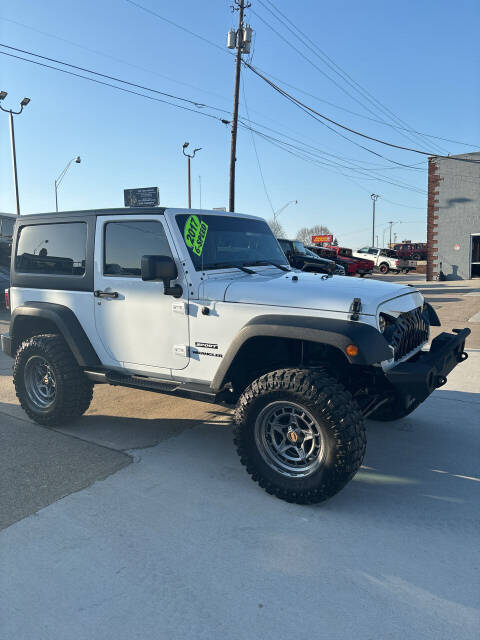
<point x="162" y="268"/>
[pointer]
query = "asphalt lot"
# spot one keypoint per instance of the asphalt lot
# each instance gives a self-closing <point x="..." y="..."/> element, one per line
<point x="139" y="522"/>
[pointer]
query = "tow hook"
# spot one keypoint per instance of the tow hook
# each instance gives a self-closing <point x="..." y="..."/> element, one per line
<point x="441" y="380"/>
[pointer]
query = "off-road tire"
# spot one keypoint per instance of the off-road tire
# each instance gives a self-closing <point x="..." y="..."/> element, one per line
<point x="395" y="409"/>
<point x="73" y="391"/>
<point x="383" y="267"/>
<point x="336" y="413"/>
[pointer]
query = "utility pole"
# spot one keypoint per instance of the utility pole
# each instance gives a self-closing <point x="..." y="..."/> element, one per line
<point x="391" y="223"/>
<point x="189" y="157"/>
<point x="23" y="103"/>
<point x="239" y="40"/>
<point x="374" y="197"/>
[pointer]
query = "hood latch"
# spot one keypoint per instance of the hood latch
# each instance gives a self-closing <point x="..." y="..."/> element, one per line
<point x="355" y="308"/>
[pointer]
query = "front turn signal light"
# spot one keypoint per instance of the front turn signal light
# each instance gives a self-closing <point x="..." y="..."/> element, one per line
<point x="351" y="350"/>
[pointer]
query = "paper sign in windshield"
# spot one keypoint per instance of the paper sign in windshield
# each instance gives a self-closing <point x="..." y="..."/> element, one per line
<point x="195" y="234"/>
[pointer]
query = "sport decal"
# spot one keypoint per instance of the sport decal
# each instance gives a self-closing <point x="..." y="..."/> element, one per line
<point x="195" y="234"/>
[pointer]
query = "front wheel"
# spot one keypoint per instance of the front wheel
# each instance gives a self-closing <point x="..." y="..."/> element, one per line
<point x="300" y="434"/>
<point x="383" y="268"/>
<point x="51" y="387"/>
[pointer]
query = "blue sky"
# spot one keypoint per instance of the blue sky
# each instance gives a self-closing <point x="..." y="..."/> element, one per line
<point x="420" y="59"/>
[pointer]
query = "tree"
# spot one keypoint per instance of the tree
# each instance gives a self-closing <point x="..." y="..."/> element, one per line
<point x="335" y="242"/>
<point x="305" y="233"/>
<point x="276" y="228"/>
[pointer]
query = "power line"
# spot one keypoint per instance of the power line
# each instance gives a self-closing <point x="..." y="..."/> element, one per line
<point x="305" y="107"/>
<point x="256" y="153"/>
<point x="335" y="67"/>
<point x="108" y="84"/>
<point x="178" y="26"/>
<point x="104" y="75"/>
<point x="333" y="167"/>
<point x="361" y="115"/>
<point x="327" y="162"/>
<point x="114" y="58"/>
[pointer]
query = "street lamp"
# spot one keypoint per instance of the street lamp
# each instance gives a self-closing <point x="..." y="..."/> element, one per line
<point x="23" y="103"/>
<point x="279" y="211"/>
<point x="374" y="197"/>
<point x="189" y="157"/>
<point x="77" y="160"/>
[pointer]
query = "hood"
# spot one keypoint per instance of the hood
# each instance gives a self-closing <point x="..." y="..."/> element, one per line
<point x="310" y="291"/>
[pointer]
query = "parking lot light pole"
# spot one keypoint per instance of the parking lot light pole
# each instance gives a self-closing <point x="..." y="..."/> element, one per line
<point x="374" y="197"/>
<point x="279" y="211"/>
<point x="23" y="103"/>
<point x="189" y="157"/>
<point x="76" y="159"/>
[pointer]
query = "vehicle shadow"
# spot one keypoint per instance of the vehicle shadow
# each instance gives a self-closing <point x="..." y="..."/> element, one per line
<point x="424" y="466"/>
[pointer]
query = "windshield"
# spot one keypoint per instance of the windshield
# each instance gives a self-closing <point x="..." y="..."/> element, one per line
<point x="300" y="248"/>
<point x="312" y="255"/>
<point x="216" y="242"/>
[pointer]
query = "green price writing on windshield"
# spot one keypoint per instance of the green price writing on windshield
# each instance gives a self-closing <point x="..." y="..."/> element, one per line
<point x="195" y="234"/>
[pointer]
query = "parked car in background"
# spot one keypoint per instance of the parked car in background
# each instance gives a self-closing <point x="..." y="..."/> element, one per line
<point x="302" y="258"/>
<point x="349" y="266"/>
<point x="363" y="266"/>
<point x="414" y="251"/>
<point x="386" y="259"/>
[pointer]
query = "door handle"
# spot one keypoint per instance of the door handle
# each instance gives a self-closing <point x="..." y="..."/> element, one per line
<point x="105" y="294"/>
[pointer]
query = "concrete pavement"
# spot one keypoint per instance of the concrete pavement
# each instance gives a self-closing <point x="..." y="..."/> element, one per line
<point x="182" y="544"/>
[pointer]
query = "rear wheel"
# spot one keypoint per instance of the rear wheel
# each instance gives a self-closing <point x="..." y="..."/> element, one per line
<point x="51" y="387"/>
<point x="383" y="267"/>
<point x="299" y="434"/>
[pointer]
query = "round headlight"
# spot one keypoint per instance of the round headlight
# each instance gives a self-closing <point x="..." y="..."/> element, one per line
<point x="382" y="323"/>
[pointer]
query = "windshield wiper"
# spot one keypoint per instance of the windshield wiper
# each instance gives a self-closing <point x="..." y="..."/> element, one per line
<point x="226" y="265"/>
<point x="273" y="264"/>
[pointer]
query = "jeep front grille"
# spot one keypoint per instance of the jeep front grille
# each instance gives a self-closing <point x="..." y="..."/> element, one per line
<point x="410" y="330"/>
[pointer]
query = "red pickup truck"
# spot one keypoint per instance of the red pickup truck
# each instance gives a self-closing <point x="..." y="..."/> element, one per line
<point x="362" y="266"/>
<point x="415" y="251"/>
<point x="350" y="266"/>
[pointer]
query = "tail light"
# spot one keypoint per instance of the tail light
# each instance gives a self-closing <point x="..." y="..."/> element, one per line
<point x="7" y="298"/>
<point x="397" y="262"/>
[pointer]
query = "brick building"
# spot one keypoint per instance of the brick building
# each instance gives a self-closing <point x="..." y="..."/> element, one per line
<point x="453" y="217"/>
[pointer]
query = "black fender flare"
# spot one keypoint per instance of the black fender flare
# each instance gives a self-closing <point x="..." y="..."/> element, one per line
<point x="372" y="346"/>
<point x="67" y="324"/>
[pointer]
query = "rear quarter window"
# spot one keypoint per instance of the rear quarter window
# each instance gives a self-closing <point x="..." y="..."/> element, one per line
<point x="52" y="249"/>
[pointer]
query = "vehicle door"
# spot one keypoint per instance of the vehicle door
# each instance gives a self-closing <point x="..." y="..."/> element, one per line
<point x="138" y="324"/>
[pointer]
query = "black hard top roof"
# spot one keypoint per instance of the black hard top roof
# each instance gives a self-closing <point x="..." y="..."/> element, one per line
<point x="127" y="211"/>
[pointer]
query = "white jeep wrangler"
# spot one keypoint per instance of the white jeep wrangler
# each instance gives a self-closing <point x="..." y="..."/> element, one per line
<point x="203" y="304"/>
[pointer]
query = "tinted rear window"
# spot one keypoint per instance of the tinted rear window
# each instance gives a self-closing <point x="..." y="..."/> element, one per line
<point x="54" y="249"/>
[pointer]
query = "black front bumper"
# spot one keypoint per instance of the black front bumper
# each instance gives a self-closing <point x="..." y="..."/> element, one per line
<point x="428" y="370"/>
<point x="6" y="344"/>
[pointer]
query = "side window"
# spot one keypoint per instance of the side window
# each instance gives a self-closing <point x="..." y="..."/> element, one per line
<point x="126" y="243"/>
<point x="373" y="252"/>
<point x="53" y="249"/>
<point x="7" y="227"/>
